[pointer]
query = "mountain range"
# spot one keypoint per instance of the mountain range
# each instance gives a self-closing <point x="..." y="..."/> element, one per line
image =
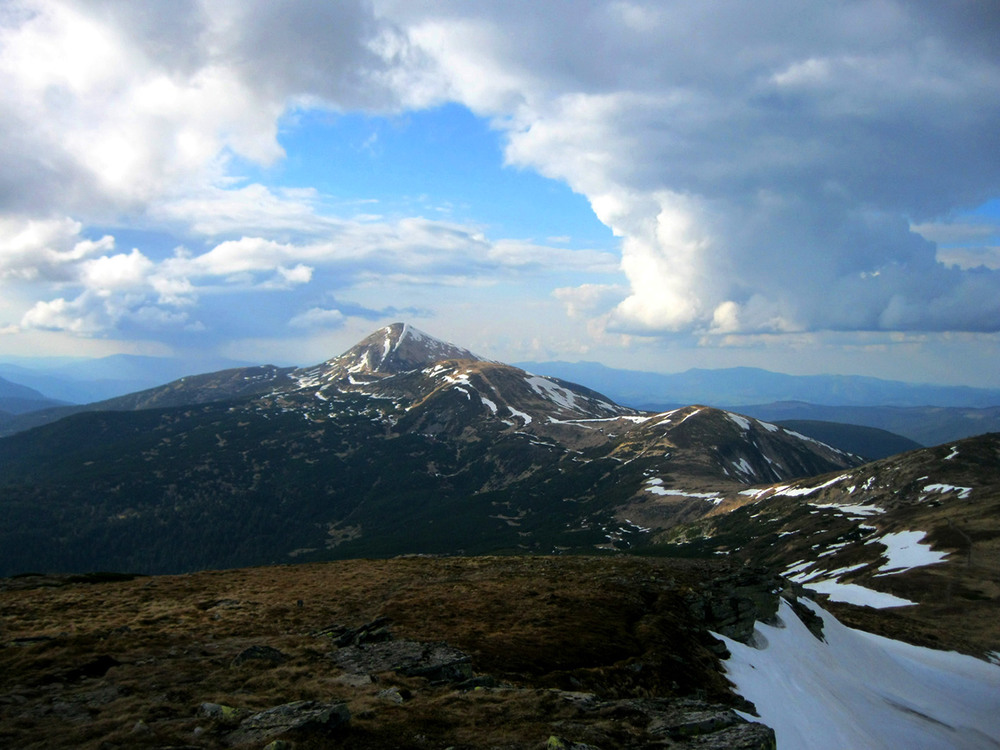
<point x="80" y="381"/>
<point x="744" y="386"/>
<point x="407" y="446"/>
<point x="19" y="399"/>
<point x="925" y="414"/>
<point x="402" y="444"/>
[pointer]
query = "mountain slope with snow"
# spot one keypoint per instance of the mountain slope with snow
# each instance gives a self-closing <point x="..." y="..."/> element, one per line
<point x="917" y="534"/>
<point x="403" y="444"/>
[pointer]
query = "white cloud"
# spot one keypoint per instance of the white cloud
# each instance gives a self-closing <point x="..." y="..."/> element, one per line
<point x="44" y="250"/>
<point x="112" y="273"/>
<point x="92" y="289"/>
<point x="318" y="317"/>
<point x="749" y="187"/>
<point x="769" y="167"/>
<point x="952" y="233"/>
<point x="970" y="257"/>
<point x="589" y="300"/>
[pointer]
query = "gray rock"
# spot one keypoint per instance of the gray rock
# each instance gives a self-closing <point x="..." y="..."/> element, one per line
<point x="376" y="631"/>
<point x="299" y="717"/>
<point x="744" y="736"/>
<point x="689" y="718"/>
<point x="437" y="662"/>
<point x="221" y="713"/>
<point x="559" y="743"/>
<point x="393" y="695"/>
<point x="263" y="654"/>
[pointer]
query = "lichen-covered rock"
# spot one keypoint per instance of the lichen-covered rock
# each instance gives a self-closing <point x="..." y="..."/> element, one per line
<point x="375" y="631"/>
<point x="393" y="695"/>
<point x="264" y="654"/>
<point x="690" y="718"/>
<point x="743" y="736"/>
<point x="732" y="605"/>
<point x="437" y="662"/>
<point x="558" y="743"/>
<point x="298" y="717"/>
<point x="227" y="715"/>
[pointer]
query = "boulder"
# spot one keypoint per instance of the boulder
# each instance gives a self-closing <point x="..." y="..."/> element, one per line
<point x="227" y="715"/>
<point x="437" y="662"/>
<point x="265" y="654"/>
<point x="299" y="717"/>
<point x="375" y="631"/>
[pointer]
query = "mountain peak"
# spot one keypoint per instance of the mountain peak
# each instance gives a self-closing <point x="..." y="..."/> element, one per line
<point x="397" y="348"/>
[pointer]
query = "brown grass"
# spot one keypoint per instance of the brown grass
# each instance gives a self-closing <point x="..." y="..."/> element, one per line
<point x="613" y="626"/>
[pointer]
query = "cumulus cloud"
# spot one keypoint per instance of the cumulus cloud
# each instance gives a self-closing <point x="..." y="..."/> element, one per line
<point x="769" y="168"/>
<point x="749" y="187"/>
<point x="44" y="250"/>
<point x="94" y="289"/>
<point x="114" y="105"/>
<point x="588" y="300"/>
<point x="318" y="317"/>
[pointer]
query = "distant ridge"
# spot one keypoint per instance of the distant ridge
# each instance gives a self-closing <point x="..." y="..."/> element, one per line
<point x="19" y="399"/>
<point x="743" y="386"/>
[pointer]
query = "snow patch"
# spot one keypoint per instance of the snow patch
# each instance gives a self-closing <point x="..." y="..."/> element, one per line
<point x="858" y="690"/>
<point x="805" y="491"/>
<point x="851" y="510"/>
<point x="741" y="421"/>
<point x="906" y="550"/>
<point x="656" y="489"/>
<point x="526" y="418"/>
<point x="555" y="393"/>
<point x="963" y="492"/>
<point x="743" y="467"/>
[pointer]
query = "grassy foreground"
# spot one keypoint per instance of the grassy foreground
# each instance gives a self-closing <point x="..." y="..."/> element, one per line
<point x="559" y="648"/>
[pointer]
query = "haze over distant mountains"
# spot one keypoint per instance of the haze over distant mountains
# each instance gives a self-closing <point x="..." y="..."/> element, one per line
<point x="926" y="414"/>
<point x="82" y="381"/>
<point x="742" y="386"/>
<point x="923" y="413"/>
<point x="86" y="380"/>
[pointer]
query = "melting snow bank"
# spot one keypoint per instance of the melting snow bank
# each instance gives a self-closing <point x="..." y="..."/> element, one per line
<point x="862" y="691"/>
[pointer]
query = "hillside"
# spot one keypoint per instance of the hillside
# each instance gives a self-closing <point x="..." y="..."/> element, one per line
<point x="19" y="399"/>
<point x="914" y="537"/>
<point x="870" y="442"/>
<point x="386" y="449"/>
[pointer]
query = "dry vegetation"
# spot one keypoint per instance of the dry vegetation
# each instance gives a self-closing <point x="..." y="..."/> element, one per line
<point x="128" y="663"/>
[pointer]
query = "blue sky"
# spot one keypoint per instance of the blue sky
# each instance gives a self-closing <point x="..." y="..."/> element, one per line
<point x="658" y="186"/>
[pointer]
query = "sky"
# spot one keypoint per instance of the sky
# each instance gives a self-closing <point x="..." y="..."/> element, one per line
<point x="805" y="187"/>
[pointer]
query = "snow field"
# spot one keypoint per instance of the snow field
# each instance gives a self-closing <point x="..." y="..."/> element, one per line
<point x="862" y="691"/>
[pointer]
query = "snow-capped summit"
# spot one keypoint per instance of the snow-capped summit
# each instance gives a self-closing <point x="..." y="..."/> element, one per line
<point x="394" y="349"/>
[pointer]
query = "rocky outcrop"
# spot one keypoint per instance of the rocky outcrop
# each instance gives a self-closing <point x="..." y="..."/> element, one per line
<point x="733" y="604"/>
<point x="261" y="654"/>
<point x="666" y="723"/>
<point x="375" y="631"/>
<point x="436" y="662"/>
<point x="298" y="718"/>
